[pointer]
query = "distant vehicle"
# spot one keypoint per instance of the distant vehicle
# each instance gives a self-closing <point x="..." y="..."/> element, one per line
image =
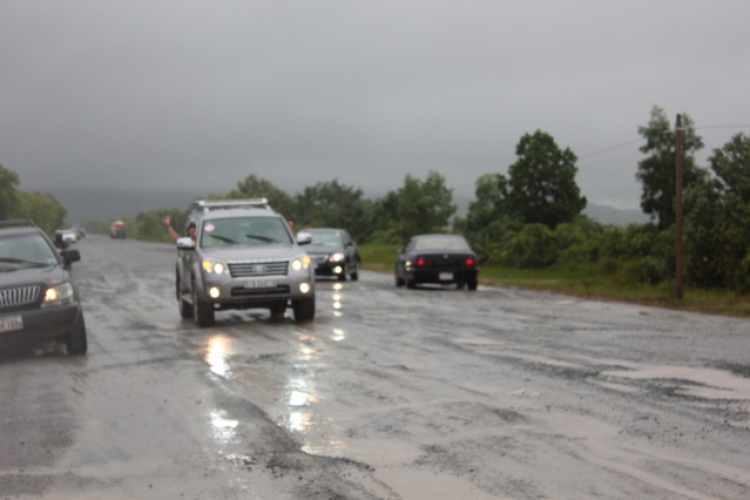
<point x="38" y="300"/>
<point x="334" y="253"/>
<point x="69" y="236"/>
<point x="117" y="229"/>
<point x="243" y="256"/>
<point x="437" y="258"/>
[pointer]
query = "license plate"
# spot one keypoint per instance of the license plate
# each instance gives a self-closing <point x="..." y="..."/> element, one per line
<point x="260" y="284"/>
<point x="446" y="276"/>
<point x="11" y="323"/>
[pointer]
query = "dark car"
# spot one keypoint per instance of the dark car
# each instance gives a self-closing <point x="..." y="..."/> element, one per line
<point x="38" y="300"/>
<point x="334" y="253"/>
<point x="437" y="258"/>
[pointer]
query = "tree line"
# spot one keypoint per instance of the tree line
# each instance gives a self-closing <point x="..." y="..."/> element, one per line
<point x="532" y="217"/>
<point x="43" y="208"/>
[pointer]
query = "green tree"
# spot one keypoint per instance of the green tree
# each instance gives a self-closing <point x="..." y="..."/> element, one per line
<point x="330" y="204"/>
<point x="43" y="209"/>
<point x="656" y="172"/>
<point x="423" y="206"/>
<point x="718" y="220"/>
<point x="255" y="187"/>
<point x="489" y="224"/>
<point x="8" y="194"/>
<point x="385" y="219"/>
<point x="542" y="187"/>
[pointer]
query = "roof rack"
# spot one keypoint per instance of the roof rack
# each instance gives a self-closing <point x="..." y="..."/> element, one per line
<point x="207" y="206"/>
<point x="17" y="223"/>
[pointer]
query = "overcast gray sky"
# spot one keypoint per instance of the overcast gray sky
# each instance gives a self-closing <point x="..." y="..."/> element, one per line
<point x="187" y="94"/>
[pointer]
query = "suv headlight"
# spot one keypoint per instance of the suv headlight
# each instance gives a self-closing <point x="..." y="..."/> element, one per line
<point x="337" y="257"/>
<point x="300" y="263"/>
<point x="215" y="267"/>
<point x="58" y="295"/>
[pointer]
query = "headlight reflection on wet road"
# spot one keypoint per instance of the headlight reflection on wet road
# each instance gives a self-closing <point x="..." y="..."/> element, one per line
<point x="300" y="397"/>
<point x="223" y="429"/>
<point x="337" y="287"/>
<point x="218" y="350"/>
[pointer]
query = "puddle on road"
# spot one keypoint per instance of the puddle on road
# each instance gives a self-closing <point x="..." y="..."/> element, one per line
<point x="710" y="383"/>
<point x="418" y="484"/>
<point x="391" y="459"/>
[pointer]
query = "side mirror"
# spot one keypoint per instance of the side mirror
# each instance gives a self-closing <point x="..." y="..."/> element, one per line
<point x="185" y="243"/>
<point x="304" y="238"/>
<point x="70" y="256"/>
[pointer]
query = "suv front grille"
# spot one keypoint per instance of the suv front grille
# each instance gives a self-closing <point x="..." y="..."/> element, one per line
<point x="19" y="296"/>
<point x="258" y="269"/>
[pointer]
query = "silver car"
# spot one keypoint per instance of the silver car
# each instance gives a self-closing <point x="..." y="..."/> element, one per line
<point x="243" y="256"/>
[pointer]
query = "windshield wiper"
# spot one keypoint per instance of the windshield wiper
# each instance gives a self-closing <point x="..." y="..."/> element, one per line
<point x="262" y="238"/>
<point x="224" y="239"/>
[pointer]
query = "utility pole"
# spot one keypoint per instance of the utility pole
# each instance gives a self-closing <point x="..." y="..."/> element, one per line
<point x="678" y="208"/>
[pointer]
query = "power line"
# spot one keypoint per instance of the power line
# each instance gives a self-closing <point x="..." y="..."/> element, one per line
<point x="611" y="148"/>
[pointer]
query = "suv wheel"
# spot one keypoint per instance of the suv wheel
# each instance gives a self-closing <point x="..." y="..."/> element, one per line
<point x="77" y="343"/>
<point x="278" y="309"/>
<point x="355" y="272"/>
<point x="203" y="312"/>
<point x="186" y="308"/>
<point x="304" y="309"/>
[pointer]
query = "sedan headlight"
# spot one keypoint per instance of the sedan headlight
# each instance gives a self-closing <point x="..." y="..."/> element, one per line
<point x="337" y="257"/>
<point x="215" y="267"/>
<point x="58" y="295"/>
<point x="300" y="263"/>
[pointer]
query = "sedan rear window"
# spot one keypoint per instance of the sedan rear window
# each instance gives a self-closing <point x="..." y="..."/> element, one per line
<point x="442" y="243"/>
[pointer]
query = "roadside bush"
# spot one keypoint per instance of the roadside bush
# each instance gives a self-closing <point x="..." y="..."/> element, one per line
<point x="532" y="246"/>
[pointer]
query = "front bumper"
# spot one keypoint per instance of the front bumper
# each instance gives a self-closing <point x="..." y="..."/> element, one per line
<point x="39" y="325"/>
<point x="248" y="292"/>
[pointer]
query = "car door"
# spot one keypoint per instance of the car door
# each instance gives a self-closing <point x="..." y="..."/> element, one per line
<point x="350" y="249"/>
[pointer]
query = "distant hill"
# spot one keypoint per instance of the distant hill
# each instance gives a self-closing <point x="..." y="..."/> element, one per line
<point x="603" y="214"/>
<point x="615" y="216"/>
<point x="86" y="204"/>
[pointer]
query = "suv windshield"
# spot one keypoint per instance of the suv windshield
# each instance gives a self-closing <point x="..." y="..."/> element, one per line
<point x="244" y="231"/>
<point x="27" y="250"/>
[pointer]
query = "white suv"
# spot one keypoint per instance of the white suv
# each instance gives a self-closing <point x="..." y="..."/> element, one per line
<point x="243" y="256"/>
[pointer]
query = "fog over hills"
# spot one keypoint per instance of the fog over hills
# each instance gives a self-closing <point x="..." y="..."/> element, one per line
<point x="87" y="204"/>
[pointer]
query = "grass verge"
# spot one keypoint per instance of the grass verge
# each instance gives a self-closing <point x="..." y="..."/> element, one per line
<point x="590" y="283"/>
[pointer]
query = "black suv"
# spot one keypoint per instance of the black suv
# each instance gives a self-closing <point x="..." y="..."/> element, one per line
<point x="38" y="300"/>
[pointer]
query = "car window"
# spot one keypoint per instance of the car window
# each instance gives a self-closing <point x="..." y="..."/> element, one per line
<point x="244" y="231"/>
<point x="326" y="239"/>
<point x="442" y="243"/>
<point x="28" y="247"/>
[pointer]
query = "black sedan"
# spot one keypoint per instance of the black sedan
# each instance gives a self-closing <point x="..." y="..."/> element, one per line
<point x="437" y="258"/>
<point x="333" y="252"/>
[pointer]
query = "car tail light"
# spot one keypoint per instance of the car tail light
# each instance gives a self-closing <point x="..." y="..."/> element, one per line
<point x="421" y="262"/>
<point x="470" y="262"/>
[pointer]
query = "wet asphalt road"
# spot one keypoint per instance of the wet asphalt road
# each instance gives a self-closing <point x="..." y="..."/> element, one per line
<point x="389" y="394"/>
